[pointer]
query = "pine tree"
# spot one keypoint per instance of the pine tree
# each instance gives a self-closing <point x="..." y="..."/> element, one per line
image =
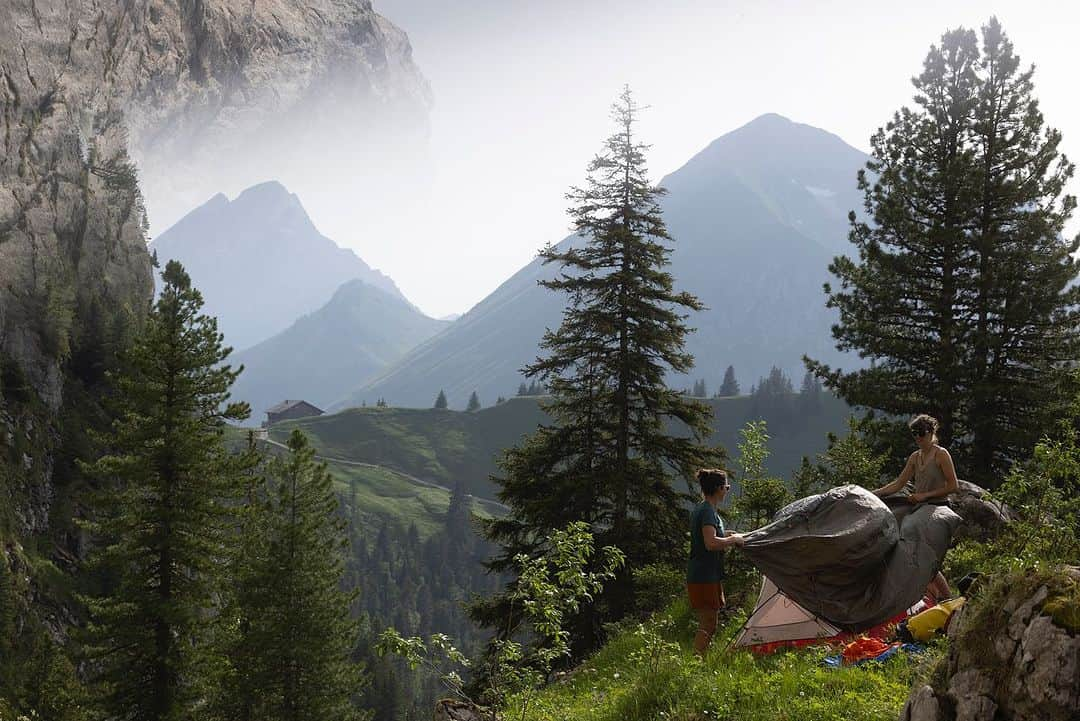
<point x="607" y="459"/>
<point x="440" y="401"/>
<point x="523" y="390"/>
<point x="164" y="521"/>
<point x="474" y="403"/>
<point x="962" y="295"/>
<point x="775" y="385"/>
<point x="292" y="656"/>
<point x="730" y="386"/>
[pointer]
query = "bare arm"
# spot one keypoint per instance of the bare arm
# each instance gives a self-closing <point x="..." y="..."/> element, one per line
<point x="945" y="463"/>
<point x="901" y="480"/>
<point x="717" y="543"/>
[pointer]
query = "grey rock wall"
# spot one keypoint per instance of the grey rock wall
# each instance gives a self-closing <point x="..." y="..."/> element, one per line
<point x="71" y="219"/>
<point x="1025" y="668"/>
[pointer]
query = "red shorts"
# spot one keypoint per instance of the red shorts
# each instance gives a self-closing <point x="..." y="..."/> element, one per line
<point x="705" y="596"/>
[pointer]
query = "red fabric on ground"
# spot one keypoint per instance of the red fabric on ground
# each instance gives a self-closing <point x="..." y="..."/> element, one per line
<point x="862" y="648"/>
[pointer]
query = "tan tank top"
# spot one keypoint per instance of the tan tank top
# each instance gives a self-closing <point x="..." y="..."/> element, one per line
<point x="928" y="475"/>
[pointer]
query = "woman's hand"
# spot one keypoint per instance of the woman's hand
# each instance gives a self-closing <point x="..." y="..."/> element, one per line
<point x="916" y="498"/>
<point x="736" y="539"/>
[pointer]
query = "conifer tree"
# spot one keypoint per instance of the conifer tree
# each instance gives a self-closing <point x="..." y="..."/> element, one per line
<point x="962" y="294"/>
<point x="730" y="386"/>
<point x="607" y="459"/>
<point x="440" y="401"/>
<point x="291" y="656"/>
<point x="523" y="390"/>
<point x="163" y="523"/>
<point x="474" y="403"/>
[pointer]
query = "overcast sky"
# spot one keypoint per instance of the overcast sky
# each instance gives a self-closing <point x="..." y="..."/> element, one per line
<point x="522" y="91"/>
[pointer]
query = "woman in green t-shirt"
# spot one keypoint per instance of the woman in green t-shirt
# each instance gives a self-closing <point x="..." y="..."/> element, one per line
<point x="705" y="570"/>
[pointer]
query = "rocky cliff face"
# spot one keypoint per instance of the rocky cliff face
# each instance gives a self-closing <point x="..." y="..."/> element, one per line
<point x="71" y="221"/>
<point x="228" y="93"/>
<point x="1013" y="656"/>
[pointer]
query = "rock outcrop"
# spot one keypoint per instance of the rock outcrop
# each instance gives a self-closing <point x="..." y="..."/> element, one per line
<point x="983" y="517"/>
<point x="1013" y="656"/>
<point x="72" y="242"/>
<point x="453" y="710"/>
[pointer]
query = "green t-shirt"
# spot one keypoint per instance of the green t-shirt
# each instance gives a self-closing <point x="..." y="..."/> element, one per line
<point x="705" y="566"/>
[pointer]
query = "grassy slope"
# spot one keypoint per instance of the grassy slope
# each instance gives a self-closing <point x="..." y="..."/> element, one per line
<point x="448" y="446"/>
<point x="625" y="682"/>
<point x="382" y="493"/>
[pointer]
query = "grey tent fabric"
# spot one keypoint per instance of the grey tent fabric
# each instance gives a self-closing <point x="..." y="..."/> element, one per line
<point x="843" y="555"/>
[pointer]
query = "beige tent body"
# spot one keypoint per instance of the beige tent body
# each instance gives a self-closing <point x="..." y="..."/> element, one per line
<point x="779" y="620"/>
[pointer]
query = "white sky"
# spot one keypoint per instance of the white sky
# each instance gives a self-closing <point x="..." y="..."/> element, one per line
<point x="522" y="90"/>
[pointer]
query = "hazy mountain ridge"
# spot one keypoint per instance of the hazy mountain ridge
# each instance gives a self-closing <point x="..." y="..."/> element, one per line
<point x="358" y="333"/>
<point x="756" y="217"/>
<point x="260" y="262"/>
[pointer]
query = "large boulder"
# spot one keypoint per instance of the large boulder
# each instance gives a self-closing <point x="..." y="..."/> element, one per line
<point x="1014" y="655"/>
<point x="983" y="517"/>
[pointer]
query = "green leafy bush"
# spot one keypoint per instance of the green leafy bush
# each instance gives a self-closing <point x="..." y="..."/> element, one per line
<point x="548" y="590"/>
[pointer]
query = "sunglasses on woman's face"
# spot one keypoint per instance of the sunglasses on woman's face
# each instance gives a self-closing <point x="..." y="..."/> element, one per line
<point x="919" y="432"/>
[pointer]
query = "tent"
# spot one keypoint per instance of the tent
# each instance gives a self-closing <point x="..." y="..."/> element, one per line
<point x="843" y="556"/>
<point x="778" y="622"/>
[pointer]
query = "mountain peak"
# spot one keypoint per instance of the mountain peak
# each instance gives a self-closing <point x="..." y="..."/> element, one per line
<point x="231" y="249"/>
<point x="266" y="191"/>
<point x="769" y="119"/>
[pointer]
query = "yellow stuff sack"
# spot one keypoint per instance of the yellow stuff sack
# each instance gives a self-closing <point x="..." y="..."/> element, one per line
<point x="922" y="626"/>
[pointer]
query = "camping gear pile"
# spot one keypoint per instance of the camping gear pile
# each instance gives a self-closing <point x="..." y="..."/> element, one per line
<point x="838" y="566"/>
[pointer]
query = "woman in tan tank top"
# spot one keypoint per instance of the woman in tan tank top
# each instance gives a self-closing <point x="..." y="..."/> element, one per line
<point x="931" y="468"/>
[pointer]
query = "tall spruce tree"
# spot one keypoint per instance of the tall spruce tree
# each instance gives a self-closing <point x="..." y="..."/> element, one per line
<point x="165" y="518"/>
<point x="730" y="386"/>
<point x="290" y="659"/>
<point x="962" y="295"/>
<point x="440" y="401"/>
<point x="608" y="458"/>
